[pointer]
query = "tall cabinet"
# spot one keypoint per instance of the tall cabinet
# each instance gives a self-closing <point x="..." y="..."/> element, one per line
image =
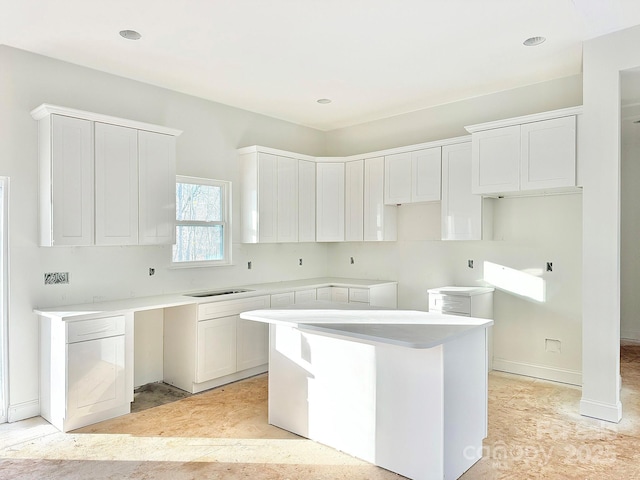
<point x="104" y="180"/>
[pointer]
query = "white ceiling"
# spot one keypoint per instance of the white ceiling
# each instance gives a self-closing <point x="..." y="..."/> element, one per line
<point x="373" y="58"/>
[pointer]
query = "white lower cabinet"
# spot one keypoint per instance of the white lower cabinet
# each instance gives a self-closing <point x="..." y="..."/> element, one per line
<point x="216" y="348"/>
<point x="227" y="348"/>
<point x="304" y="296"/>
<point x="86" y="370"/>
<point x="279" y="300"/>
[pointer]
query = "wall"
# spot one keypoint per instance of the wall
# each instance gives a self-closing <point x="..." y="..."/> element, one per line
<point x="528" y="232"/>
<point x="212" y="132"/>
<point x="604" y="58"/>
<point x="630" y="225"/>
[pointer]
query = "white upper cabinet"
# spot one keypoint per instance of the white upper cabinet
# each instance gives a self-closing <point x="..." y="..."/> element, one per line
<point x="548" y="154"/>
<point x="425" y="179"/>
<point x="101" y="181"/>
<point x="535" y="153"/>
<point x="306" y="201"/>
<point x="380" y="220"/>
<point x="397" y="178"/>
<point x="461" y="210"/>
<point x="412" y="177"/>
<point x="116" y="174"/>
<point x="157" y="188"/>
<point x="330" y="202"/>
<point x="354" y="200"/>
<point x="66" y="181"/>
<point x="277" y="197"/>
<point x="496" y="166"/>
<point x="287" y="200"/>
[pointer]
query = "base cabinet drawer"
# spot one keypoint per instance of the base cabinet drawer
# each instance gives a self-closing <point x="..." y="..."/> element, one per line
<point x="450" y="304"/>
<point x="359" y="295"/>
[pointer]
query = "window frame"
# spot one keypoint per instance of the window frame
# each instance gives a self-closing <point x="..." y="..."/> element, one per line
<point x="225" y="212"/>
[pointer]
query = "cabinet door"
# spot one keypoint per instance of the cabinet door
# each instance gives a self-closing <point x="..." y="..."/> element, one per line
<point x="306" y="201"/>
<point x="354" y="201"/>
<point x="397" y="178"/>
<point x="253" y="344"/>
<point x="267" y="198"/>
<point x="279" y="300"/>
<point x="330" y="202"/>
<point x="96" y="376"/>
<point x="324" y="294"/>
<point x="216" y="349"/>
<point x="425" y="175"/>
<point x="461" y="210"/>
<point x="548" y="154"/>
<point x="157" y="183"/>
<point x="67" y="207"/>
<point x="116" y="164"/>
<point x="340" y="294"/>
<point x="379" y="219"/>
<point x="287" y="193"/>
<point x="495" y="160"/>
<point x="304" y="296"/>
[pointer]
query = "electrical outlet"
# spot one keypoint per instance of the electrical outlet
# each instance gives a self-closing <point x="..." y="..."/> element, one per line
<point x="352" y="261"/>
<point x="299" y="261"/>
<point x="552" y="346"/>
<point x="470" y="263"/>
<point x="152" y="271"/>
<point x="56" y="278"/>
<point x="549" y="267"/>
<point x="249" y="265"/>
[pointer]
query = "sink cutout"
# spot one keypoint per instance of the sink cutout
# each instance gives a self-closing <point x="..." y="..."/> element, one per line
<point x="218" y="292"/>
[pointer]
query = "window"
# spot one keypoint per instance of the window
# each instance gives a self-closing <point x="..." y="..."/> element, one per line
<point x="203" y="217"/>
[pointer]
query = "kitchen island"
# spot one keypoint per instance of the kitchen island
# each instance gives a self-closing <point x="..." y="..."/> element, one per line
<point x="404" y="390"/>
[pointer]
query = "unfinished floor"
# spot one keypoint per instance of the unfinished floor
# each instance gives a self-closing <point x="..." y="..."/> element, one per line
<point x="535" y="431"/>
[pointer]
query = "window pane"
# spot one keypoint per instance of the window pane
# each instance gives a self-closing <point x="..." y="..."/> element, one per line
<point x="198" y="202"/>
<point x="196" y="243"/>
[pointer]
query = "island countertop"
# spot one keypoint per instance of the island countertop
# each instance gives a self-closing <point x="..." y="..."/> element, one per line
<point x="405" y="328"/>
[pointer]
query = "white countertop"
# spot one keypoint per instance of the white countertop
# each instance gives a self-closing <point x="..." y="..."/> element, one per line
<point x="116" y="307"/>
<point x="461" y="291"/>
<point x="406" y="328"/>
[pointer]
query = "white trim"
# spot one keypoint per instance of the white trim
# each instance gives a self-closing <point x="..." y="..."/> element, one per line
<point x="536" y="117"/>
<point x="601" y="411"/>
<point x="46" y="109"/>
<point x="562" y="375"/>
<point x="630" y="335"/>
<point x="23" y="410"/>
<point x="4" y="303"/>
<point x="359" y="156"/>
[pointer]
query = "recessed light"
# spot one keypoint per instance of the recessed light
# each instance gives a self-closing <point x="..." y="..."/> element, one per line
<point x="324" y="101"/>
<point x="533" y="41"/>
<point x="130" y="34"/>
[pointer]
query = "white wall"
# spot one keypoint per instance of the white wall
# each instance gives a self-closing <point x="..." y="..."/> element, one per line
<point x="212" y="132"/>
<point x="604" y="58"/>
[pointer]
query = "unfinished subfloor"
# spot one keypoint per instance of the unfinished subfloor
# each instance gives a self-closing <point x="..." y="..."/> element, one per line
<point x="535" y="431"/>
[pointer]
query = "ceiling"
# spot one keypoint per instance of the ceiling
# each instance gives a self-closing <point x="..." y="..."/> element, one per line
<point x="372" y="58"/>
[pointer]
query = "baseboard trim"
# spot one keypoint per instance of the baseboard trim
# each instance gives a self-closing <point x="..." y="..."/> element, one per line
<point x="630" y="335"/>
<point x="22" y="411"/>
<point x="571" y="377"/>
<point x="602" y="411"/>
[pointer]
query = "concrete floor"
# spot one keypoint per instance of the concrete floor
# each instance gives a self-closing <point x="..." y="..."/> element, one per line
<point x="535" y="431"/>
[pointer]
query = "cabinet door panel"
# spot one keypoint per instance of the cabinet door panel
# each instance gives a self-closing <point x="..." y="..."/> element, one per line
<point x="379" y="219"/>
<point x="116" y="164"/>
<point x="354" y="201"/>
<point x="216" y="354"/>
<point x="425" y="180"/>
<point x="267" y="198"/>
<point x="157" y="167"/>
<point x="96" y="376"/>
<point x="397" y="178"/>
<point x="287" y="216"/>
<point x="495" y="160"/>
<point x="253" y="344"/>
<point x="72" y="186"/>
<point x="330" y="203"/>
<point x="548" y="154"/>
<point x="461" y="210"/>
<point x="306" y="201"/>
